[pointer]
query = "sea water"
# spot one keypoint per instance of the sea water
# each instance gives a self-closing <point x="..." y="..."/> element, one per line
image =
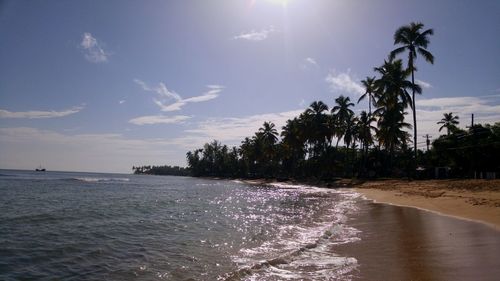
<point x="88" y="226"/>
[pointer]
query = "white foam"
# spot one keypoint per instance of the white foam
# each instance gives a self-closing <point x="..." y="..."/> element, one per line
<point x="91" y="179"/>
<point x="306" y="248"/>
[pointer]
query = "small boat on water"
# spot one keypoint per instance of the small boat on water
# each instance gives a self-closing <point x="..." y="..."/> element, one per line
<point x="40" y="169"/>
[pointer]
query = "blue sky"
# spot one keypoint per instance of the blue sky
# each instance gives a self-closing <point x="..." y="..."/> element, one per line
<point x="104" y="85"/>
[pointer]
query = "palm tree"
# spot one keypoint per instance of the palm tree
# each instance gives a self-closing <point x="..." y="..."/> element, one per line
<point x="268" y="133"/>
<point x="318" y="125"/>
<point x="392" y="87"/>
<point x="365" y="129"/>
<point x="342" y="113"/>
<point x="365" y="136"/>
<point x="317" y="108"/>
<point x="449" y="122"/>
<point x="351" y="131"/>
<point x="412" y="39"/>
<point x="391" y="127"/>
<point x="351" y="134"/>
<point x="292" y="144"/>
<point x="369" y="85"/>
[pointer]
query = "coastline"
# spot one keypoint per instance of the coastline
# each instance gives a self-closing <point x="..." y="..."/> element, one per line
<point x="475" y="200"/>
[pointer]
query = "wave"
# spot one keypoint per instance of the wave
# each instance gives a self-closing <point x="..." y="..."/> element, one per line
<point x="94" y="180"/>
<point x="313" y="261"/>
<point x="303" y="252"/>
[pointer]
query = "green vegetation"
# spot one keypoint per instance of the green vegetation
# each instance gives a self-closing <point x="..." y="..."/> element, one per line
<point x="466" y="152"/>
<point x="375" y="144"/>
<point x="305" y="150"/>
<point x="161" y="170"/>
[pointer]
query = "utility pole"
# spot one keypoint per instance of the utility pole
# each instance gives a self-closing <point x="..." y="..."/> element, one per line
<point x="427" y="140"/>
<point x="471" y="124"/>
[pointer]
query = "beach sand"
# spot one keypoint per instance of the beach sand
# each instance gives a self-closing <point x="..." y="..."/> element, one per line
<point x="477" y="200"/>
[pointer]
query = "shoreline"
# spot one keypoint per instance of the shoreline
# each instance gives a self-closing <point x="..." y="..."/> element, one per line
<point x="466" y="199"/>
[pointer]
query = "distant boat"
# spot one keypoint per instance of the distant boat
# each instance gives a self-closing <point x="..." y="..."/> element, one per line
<point x="40" y="169"/>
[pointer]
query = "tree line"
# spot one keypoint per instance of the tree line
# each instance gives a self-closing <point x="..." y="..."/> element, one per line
<point x="161" y="170"/>
<point x="374" y="144"/>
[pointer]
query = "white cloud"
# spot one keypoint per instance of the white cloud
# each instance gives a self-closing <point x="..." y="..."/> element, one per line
<point x="255" y="35"/>
<point x="165" y="96"/>
<point x="37" y="114"/>
<point x="311" y="61"/>
<point x="486" y="109"/>
<point x="121" y="101"/>
<point x="423" y="84"/>
<point x="158" y="119"/>
<point x="233" y="130"/>
<point x="449" y="102"/>
<point x="343" y="82"/>
<point x="93" y="50"/>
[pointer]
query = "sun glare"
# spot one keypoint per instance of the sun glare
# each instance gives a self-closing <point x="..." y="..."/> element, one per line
<point x="279" y="2"/>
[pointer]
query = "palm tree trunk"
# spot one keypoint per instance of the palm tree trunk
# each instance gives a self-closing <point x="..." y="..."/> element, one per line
<point x="370" y="105"/>
<point x="414" y="116"/>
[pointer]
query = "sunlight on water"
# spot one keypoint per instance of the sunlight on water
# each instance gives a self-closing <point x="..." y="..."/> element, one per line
<point x="127" y="227"/>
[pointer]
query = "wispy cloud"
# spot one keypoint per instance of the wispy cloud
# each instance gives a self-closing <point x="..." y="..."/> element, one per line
<point x="344" y="82"/>
<point x="121" y="101"/>
<point x="165" y="96"/>
<point x="38" y="114"/>
<point x="423" y="84"/>
<point x="450" y="102"/>
<point x="158" y="119"/>
<point x="93" y="50"/>
<point x="233" y="130"/>
<point x="311" y="61"/>
<point x="255" y="35"/>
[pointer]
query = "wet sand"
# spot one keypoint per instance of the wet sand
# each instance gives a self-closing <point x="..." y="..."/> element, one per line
<point x="401" y="243"/>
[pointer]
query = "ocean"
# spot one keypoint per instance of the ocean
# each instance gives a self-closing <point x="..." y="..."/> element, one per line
<point x="91" y="226"/>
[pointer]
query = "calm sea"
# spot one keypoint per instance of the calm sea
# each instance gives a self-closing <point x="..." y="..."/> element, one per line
<point x="86" y="226"/>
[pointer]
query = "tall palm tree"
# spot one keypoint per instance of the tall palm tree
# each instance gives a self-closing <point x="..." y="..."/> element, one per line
<point x="369" y="85"/>
<point x="342" y="113"/>
<point x="449" y="122"/>
<point x="411" y="38"/>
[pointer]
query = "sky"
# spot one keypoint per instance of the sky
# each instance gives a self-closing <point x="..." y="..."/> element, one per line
<point x="105" y="85"/>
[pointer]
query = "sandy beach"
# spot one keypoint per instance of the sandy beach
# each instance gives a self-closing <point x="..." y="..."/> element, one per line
<point x="405" y="243"/>
<point x="477" y="200"/>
